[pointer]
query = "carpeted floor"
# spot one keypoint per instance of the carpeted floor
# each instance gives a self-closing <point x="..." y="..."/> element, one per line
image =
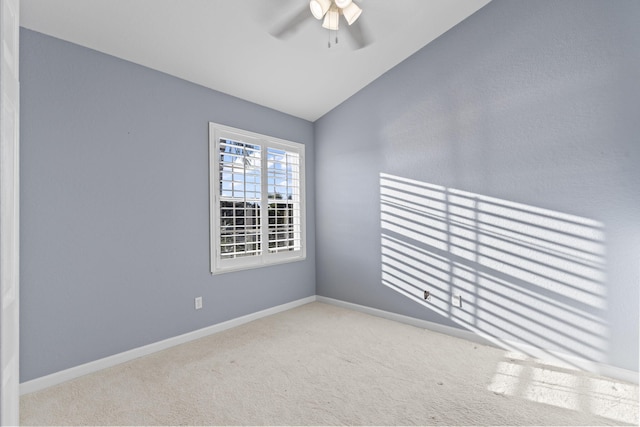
<point x="323" y="365"/>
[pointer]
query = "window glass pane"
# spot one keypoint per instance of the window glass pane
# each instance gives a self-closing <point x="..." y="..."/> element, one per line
<point x="283" y="184"/>
<point x="239" y="168"/>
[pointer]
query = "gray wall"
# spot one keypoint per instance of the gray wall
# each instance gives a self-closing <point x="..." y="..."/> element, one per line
<point x="114" y="207"/>
<point x="499" y="162"/>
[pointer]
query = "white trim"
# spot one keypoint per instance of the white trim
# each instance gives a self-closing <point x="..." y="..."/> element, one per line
<point x="555" y="357"/>
<point x="107" y="362"/>
<point x="9" y="212"/>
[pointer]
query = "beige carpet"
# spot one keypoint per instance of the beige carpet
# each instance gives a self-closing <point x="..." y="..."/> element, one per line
<point x="323" y="365"/>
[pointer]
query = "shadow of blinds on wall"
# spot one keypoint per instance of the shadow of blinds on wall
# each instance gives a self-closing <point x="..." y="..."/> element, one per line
<point x="526" y="274"/>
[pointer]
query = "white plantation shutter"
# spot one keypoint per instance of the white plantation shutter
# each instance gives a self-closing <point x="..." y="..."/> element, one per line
<point x="283" y="180"/>
<point x="239" y="168"/>
<point x="257" y="202"/>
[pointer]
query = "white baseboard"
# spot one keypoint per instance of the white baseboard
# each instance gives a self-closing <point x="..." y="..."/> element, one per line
<point x="558" y="359"/>
<point x="107" y="362"/>
<point x="548" y="356"/>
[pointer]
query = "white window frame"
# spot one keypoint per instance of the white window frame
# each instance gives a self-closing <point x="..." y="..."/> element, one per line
<point x="218" y="265"/>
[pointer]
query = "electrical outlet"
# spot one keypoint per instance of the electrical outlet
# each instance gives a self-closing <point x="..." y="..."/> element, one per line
<point x="456" y="300"/>
<point x="198" y="303"/>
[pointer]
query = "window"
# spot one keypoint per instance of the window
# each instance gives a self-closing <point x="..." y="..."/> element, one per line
<point x="257" y="199"/>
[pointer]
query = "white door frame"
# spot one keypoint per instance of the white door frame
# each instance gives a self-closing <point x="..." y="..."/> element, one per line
<point x="9" y="212"/>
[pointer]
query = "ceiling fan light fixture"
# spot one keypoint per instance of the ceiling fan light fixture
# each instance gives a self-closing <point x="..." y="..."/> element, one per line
<point x="351" y="12"/>
<point x="331" y="19"/>
<point x="319" y="7"/>
<point x="343" y="3"/>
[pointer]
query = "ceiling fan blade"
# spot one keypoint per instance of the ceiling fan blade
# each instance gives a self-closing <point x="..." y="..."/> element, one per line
<point x="359" y="34"/>
<point x="290" y="26"/>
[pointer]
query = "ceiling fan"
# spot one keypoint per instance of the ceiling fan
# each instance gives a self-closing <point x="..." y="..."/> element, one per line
<point x="329" y="11"/>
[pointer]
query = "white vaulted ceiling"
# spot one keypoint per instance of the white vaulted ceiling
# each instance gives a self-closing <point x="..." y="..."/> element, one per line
<point x="227" y="45"/>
